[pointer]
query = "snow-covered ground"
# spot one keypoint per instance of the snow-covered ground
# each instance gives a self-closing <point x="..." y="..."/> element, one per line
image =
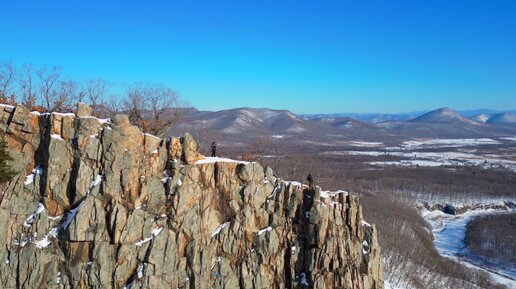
<point x="436" y="159"/>
<point x="365" y="144"/>
<point x="459" y="158"/>
<point x="441" y="142"/>
<point x="431" y="143"/>
<point x="449" y="232"/>
<point x="388" y="285"/>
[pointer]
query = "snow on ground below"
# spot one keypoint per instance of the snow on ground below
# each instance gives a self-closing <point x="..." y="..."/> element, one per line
<point x="449" y="232"/>
<point x="365" y="144"/>
<point x="411" y="163"/>
<point x="448" y="142"/>
<point x="432" y="143"/>
<point x="472" y="203"/>
<point x="436" y="159"/>
<point x="388" y="285"/>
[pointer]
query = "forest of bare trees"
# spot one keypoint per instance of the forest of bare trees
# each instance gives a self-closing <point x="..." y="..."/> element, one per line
<point x="493" y="237"/>
<point x="155" y="108"/>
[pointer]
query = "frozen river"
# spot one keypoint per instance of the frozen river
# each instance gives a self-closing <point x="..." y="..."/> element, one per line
<point x="449" y="232"/>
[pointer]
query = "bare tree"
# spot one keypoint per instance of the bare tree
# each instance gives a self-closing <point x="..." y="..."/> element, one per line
<point x="164" y="107"/>
<point x="48" y="82"/>
<point x="80" y="96"/>
<point x="26" y="86"/>
<point x="134" y="104"/>
<point x="154" y="108"/>
<point x="110" y="107"/>
<point x="95" y="92"/>
<point x="262" y="149"/>
<point x="67" y="92"/>
<point x="7" y="77"/>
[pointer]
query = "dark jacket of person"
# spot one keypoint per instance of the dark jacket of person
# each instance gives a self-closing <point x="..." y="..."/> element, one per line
<point x="213" y="149"/>
<point x="310" y="180"/>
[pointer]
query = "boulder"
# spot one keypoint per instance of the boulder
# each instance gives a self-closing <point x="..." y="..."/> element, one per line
<point x="190" y="149"/>
<point x="251" y="172"/>
<point x="83" y="110"/>
<point x="122" y="120"/>
<point x="449" y="209"/>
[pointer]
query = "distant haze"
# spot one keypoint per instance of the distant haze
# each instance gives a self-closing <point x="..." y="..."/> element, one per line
<point x="382" y="116"/>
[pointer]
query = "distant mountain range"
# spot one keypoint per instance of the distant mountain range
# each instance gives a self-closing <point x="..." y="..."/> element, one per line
<point x="380" y="117"/>
<point x="240" y="123"/>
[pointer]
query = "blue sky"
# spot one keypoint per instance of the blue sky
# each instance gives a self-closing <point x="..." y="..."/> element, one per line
<point x="305" y="56"/>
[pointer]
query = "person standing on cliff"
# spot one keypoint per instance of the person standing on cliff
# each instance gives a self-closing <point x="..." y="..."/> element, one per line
<point x="310" y="181"/>
<point x="213" y="149"/>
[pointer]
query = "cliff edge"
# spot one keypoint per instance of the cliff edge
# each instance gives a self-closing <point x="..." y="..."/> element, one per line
<point x="99" y="204"/>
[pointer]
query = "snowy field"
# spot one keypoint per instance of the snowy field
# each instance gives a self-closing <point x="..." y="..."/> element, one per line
<point x="456" y="155"/>
<point x="436" y="159"/>
<point x="442" y="159"/>
<point x="388" y="285"/>
<point x="462" y="142"/>
<point x="364" y="144"/>
<point x="449" y="232"/>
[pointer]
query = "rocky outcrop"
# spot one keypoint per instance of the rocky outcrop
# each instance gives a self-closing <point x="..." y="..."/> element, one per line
<point x="99" y="204"/>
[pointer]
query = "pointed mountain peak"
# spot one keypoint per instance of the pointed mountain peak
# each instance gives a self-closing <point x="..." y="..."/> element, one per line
<point x="441" y="115"/>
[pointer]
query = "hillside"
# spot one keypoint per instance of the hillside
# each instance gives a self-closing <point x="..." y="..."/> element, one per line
<point x="246" y="121"/>
<point x="444" y="114"/>
<point x="240" y="124"/>
<point x="503" y="119"/>
<point x="97" y="204"/>
<point x="483" y="118"/>
<point x="444" y="123"/>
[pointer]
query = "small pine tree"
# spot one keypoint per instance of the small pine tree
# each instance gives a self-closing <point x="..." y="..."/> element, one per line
<point x="6" y="172"/>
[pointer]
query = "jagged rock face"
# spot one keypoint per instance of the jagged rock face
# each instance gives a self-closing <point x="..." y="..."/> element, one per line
<point x="102" y="205"/>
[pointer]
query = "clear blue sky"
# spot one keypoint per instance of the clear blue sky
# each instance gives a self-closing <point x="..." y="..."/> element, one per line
<point x="305" y="56"/>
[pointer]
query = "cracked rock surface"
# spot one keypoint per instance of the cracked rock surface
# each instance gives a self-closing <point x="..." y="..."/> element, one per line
<point x="99" y="204"/>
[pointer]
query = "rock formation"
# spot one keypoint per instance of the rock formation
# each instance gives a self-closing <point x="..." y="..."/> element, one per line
<point x="99" y="204"/>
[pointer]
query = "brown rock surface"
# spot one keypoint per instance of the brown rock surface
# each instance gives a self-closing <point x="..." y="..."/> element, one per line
<point x="83" y="110"/>
<point x="101" y="205"/>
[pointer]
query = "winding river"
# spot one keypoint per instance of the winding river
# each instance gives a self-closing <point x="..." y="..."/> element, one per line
<point x="449" y="232"/>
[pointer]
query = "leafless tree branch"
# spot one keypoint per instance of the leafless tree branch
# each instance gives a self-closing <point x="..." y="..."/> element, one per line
<point x="48" y="80"/>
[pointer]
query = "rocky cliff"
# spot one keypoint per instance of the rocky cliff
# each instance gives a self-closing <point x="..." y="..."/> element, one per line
<point x="99" y="204"/>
